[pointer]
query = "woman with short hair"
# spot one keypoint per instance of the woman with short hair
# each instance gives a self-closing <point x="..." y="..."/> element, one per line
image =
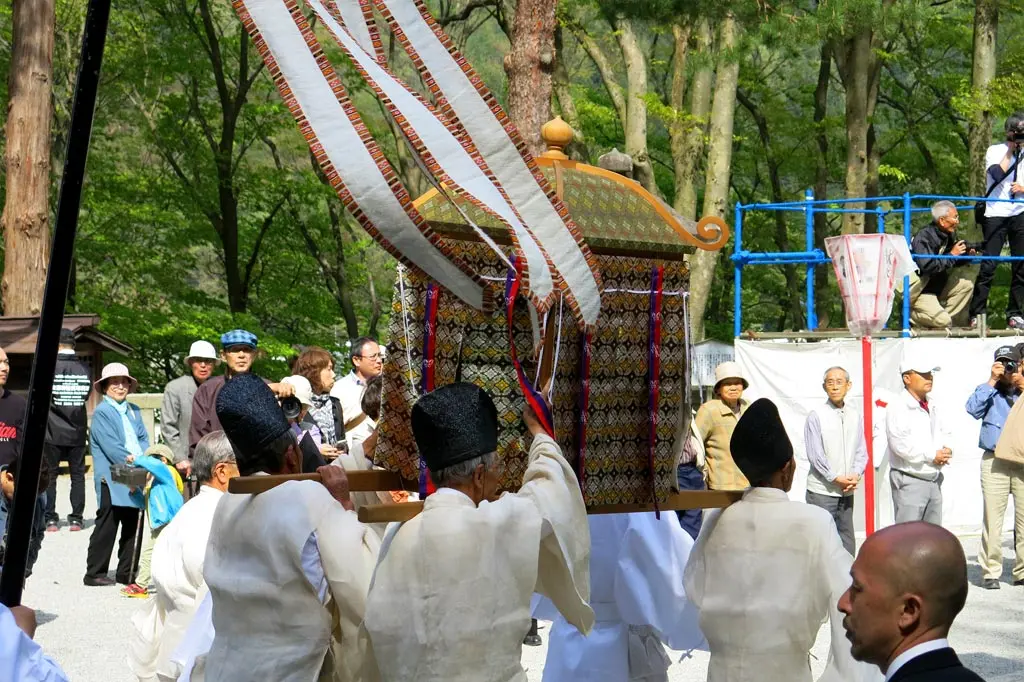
<point x="116" y="433"/>
<point x="317" y="366"/>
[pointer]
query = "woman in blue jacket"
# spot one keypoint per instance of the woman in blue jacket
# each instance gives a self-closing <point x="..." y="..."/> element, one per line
<point x="116" y="432"/>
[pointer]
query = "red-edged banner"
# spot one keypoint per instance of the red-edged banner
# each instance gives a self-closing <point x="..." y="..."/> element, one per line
<point x="427" y="368"/>
<point x="583" y="409"/>
<point x="533" y="397"/>
<point x="653" y="374"/>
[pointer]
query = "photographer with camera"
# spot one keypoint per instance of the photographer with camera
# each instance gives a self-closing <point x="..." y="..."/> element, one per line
<point x="1002" y="221"/>
<point x="991" y="402"/>
<point x="307" y="434"/>
<point x="940" y="294"/>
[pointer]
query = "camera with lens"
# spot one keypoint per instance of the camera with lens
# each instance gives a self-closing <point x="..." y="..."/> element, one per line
<point x="1009" y="366"/>
<point x="291" y="407"/>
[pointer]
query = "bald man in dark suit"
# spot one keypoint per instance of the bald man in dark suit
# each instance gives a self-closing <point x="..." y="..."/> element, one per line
<point x="909" y="584"/>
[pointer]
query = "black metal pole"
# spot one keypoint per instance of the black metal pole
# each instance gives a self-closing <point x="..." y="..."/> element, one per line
<point x="52" y="317"/>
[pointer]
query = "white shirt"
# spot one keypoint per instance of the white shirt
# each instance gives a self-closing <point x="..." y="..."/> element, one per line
<point x="993" y="157"/>
<point x="761" y="626"/>
<point x="912" y="653"/>
<point x="349" y="390"/>
<point x="914" y="436"/>
<point x="21" y="658"/>
<point x="636" y="591"/>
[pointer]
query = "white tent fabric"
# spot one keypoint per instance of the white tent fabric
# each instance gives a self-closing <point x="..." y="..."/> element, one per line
<point x="790" y="374"/>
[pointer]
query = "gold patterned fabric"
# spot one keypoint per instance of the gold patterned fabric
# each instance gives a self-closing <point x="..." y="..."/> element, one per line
<point x="473" y="346"/>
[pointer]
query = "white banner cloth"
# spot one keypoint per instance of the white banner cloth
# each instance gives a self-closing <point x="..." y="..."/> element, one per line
<point x="790" y="374"/>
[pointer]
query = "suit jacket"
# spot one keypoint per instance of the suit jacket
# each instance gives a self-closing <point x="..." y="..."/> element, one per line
<point x="941" y="665"/>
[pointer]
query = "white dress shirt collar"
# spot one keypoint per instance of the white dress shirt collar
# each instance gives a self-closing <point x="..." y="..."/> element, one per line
<point x="912" y="653"/>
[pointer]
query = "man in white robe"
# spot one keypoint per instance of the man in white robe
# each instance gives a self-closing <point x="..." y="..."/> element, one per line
<point x="636" y="591"/>
<point x="178" y="566"/>
<point x="767" y="571"/>
<point x="450" y="600"/>
<point x="288" y="570"/>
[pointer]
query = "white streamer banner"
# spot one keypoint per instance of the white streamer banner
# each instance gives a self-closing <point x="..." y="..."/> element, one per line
<point x="352" y="161"/>
<point x="450" y="160"/>
<point x="468" y="105"/>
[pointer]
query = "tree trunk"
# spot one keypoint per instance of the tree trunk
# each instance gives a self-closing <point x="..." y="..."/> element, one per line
<point x="635" y="125"/>
<point x="716" y="183"/>
<point x="821" y="172"/>
<point x="855" y="69"/>
<point x="566" y="104"/>
<point x="986" y="21"/>
<point x="793" y="307"/>
<point x="687" y="138"/>
<point x="26" y="217"/>
<point x="529" y="65"/>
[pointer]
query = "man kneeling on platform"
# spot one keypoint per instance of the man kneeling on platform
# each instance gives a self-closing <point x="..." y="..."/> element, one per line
<point x="450" y="600"/>
<point x="940" y="295"/>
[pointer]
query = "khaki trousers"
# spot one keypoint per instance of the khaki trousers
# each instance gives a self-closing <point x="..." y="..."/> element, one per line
<point x="999" y="480"/>
<point x="145" y="576"/>
<point x="948" y="309"/>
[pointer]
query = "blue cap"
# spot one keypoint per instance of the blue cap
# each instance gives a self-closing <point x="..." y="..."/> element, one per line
<point x="238" y="337"/>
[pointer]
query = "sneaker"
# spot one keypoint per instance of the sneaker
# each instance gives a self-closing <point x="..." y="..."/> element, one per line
<point x="973" y="324"/>
<point x="1015" y="322"/>
<point x="52" y="527"/>
<point x="75" y="526"/>
<point x="990" y="584"/>
<point x="101" y="581"/>
<point x="134" y="591"/>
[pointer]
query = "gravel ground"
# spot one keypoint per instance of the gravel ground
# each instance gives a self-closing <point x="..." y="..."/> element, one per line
<point x="84" y="628"/>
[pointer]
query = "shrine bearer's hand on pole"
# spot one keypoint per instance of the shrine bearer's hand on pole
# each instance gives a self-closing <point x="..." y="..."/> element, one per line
<point x="336" y="481"/>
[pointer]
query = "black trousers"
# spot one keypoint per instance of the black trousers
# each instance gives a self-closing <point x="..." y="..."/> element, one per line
<point x="996" y="232"/>
<point x="101" y="544"/>
<point x="75" y="457"/>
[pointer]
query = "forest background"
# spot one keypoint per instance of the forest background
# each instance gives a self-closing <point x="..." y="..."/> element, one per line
<point x="203" y="212"/>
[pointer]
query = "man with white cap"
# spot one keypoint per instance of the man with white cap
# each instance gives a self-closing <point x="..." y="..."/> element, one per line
<point x="918" y="446"/>
<point x="716" y="420"/>
<point x="176" y="409"/>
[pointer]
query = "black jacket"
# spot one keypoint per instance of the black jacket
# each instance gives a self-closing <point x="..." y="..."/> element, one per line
<point x="941" y="665"/>
<point x="935" y="271"/>
<point x="71" y="385"/>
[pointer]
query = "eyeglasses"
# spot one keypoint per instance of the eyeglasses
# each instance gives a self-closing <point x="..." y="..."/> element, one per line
<point x="375" y="356"/>
<point x="836" y="382"/>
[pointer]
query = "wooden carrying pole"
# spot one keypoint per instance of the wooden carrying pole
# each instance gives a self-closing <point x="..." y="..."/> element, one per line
<point x="689" y="499"/>
<point x="358" y="481"/>
<point x="51" y="318"/>
<point x="372" y="481"/>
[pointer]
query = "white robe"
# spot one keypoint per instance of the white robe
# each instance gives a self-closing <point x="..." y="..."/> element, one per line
<point x="636" y="591"/>
<point x="765" y="573"/>
<point x="451" y="596"/>
<point x="161" y="621"/>
<point x="270" y="619"/>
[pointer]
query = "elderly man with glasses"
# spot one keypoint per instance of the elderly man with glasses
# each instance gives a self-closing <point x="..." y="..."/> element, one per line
<point x="238" y="351"/>
<point x="178" y="564"/>
<point x="834" y="440"/>
<point x="367" y="362"/>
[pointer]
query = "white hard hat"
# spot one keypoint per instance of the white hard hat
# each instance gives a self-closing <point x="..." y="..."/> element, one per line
<point x="202" y="350"/>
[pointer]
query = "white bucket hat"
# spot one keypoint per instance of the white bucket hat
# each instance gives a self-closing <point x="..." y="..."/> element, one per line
<point x="729" y="370"/>
<point x="202" y="350"/>
<point x="111" y="370"/>
<point x="303" y="389"/>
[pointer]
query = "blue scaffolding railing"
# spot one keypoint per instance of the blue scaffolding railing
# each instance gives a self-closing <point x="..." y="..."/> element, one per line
<point x="812" y="257"/>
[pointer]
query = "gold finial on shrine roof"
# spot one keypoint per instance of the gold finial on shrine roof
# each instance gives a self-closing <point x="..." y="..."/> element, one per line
<point x="557" y="134"/>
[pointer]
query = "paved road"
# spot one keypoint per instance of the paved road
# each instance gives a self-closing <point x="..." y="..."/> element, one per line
<point x="84" y="628"/>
